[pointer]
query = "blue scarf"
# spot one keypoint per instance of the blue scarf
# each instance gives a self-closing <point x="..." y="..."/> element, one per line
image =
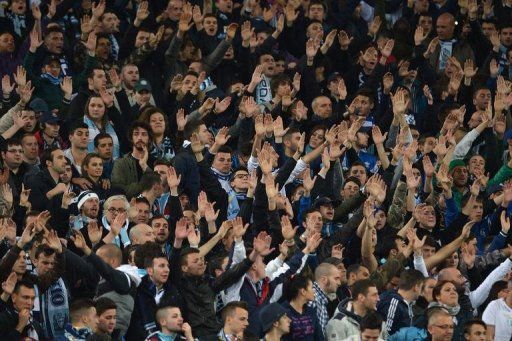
<point x="73" y="333"/>
<point x="54" y="309"/>
<point x="51" y="79"/>
<point x="123" y="235"/>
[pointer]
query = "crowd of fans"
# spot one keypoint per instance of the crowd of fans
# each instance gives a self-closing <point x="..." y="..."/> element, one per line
<point x="256" y="170"/>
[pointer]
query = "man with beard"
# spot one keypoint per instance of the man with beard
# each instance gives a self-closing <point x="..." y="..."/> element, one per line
<point x="128" y="170"/>
<point x="129" y="77"/>
<point x="45" y="189"/>
<point x="459" y="173"/>
<point x="160" y="228"/>
<point x="48" y="135"/>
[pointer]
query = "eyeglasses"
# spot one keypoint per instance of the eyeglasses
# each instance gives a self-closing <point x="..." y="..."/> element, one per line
<point x="241" y="176"/>
<point x="116" y="210"/>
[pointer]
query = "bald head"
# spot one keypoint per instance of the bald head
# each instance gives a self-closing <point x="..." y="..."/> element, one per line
<point x="327" y="277"/>
<point x="445" y="26"/>
<point x="453" y="275"/>
<point x="141" y="233"/>
<point x="111" y="254"/>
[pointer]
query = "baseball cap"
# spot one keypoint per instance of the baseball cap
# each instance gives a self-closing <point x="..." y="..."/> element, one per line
<point x="142" y="84"/>
<point x="270" y="314"/>
<point x="38" y="105"/>
<point x="49" y="117"/>
<point x="322" y="201"/>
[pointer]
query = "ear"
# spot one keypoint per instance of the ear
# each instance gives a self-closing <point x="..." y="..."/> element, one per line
<point x="184" y="268"/>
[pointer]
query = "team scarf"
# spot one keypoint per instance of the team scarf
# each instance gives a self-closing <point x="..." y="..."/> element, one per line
<point x="123" y="234"/>
<point x="53" y="312"/>
<point x="75" y="334"/>
<point x="18" y="22"/>
<point x="51" y="79"/>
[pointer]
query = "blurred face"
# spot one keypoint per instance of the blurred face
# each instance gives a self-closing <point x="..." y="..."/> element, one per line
<point x="506" y="36"/>
<point x="51" y="130"/>
<point x="317" y="138"/>
<point x="381" y="219"/>
<point x="225" y="6"/>
<point x="481" y="99"/>
<point x="159" y="272"/>
<point x="54" y="42"/>
<point x="322" y="107"/>
<point x="79" y="138"/>
<point x="30" y="116"/>
<point x="109" y="23"/>
<point x="103" y="48"/>
<point x="58" y="163"/>
<point x="195" y="265"/>
<point x="130" y="76"/>
<point x="327" y="212"/>
<point x="371" y="55"/>
<point x="333" y="281"/>
<point x="116" y="207"/>
<point x="18" y="7"/>
<point x="428" y="288"/>
<point x="13" y="157"/>
<point x="142" y="213"/>
<point x="364" y="106"/>
<point x="6" y="43"/>
<point x="314" y="222"/>
<point x="358" y="172"/>
<point x="240" y="181"/>
<point x="44" y="263"/>
<point x="20" y="266"/>
<point x="157" y="123"/>
<point x="477" y="163"/>
<point x="460" y="176"/>
<point x="140" y="138"/>
<point x="370" y="335"/>
<point x="349" y="190"/>
<point x="107" y="321"/>
<point x="160" y="229"/>
<point x="53" y="68"/>
<point x="280" y="67"/>
<point x="175" y="9"/>
<point x="442" y="329"/>
<point x="292" y="142"/>
<point x="146" y="235"/>
<point x="425" y="22"/>
<point x="91" y="208"/>
<point x="269" y="65"/>
<point x="98" y="80"/>
<point x="96" y="109"/>
<point x="448" y="295"/>
<point x="222" y="162"/>
<point x="172" y="321"/>
<point x="477" y="212"/>
<point x="283" y="324"/>
<point x="210" y="26"/>
<point x="189" y="82"/>
<point x="316" y="12"/>
<point x="445" y="27"/>
<point x="315" y="30"/>
<point x="428" y="218"/>
<point x="205" y="136"/>
<point x="477" y="332"/>
<point x="24" y="298"/>
<point x="141" y="38"/>
<point x="105" y="148"/>
<point x="94" y="167"/>
<point x="455" y="276"/>
<point x="488" y="29"/>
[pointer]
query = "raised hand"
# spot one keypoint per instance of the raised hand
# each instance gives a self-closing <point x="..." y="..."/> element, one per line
<point x="312" y="242"/>
<point x="307" y="181"/>
<point x="53" y="241"/>
<point x="181" y="231"/>
<point x="239" y="228"/>
<point x="78" y="239"/>
<point x="10" y="283"/>
<point x="261" y="244"/>
<point x="94" y="231"/>
<point x="210" y="215"/>
<point x="377" y="136"/>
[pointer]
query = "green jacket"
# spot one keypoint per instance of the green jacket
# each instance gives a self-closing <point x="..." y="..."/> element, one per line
<point x="125" y="176"/>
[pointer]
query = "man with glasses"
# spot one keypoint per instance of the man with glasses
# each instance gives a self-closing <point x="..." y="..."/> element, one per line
<point x="440" y="325"/>
<point x="114" y="206"/>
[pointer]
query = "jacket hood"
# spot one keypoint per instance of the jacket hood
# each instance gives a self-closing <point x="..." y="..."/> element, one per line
<point x="131" y="271"/>
<point x="345" y="308"/>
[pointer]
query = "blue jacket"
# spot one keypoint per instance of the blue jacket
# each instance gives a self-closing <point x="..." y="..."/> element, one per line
<point x="409" y="334"/>
<point x="394" y="311"/>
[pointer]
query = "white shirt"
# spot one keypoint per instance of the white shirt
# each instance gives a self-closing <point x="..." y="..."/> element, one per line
<point x="499" y="315"/>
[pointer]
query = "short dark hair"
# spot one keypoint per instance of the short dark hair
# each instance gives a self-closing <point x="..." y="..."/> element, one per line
<point x="101" y="136"/>
<point x="230" y="308"/>
<point x="361" y="287"/>
<point x="43" y="249"/>
<point x="78" y="307"/>
<point x="103" y="304"/>
<point x="215" y="264"/>
<point x="148" y="262"/>
<point x="148" y="250"/>
<point x="471" y="323"/>
<point x="371" y="320"/>
<point x="23" y="283"/>
<point x="184" y="254"/>
<point x="10" y="142"/>
<point x="148" y="180"/>
<point x="140" y="200"/>
<point x="410" y="278"/>
<point x="77" y="125"/>
<point x="293" y="286"/>
<point x="191" y="127"/>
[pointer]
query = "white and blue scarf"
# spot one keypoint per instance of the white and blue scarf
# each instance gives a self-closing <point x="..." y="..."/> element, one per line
<point x="123" y="234"/>
<point x="53" y="312"/>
